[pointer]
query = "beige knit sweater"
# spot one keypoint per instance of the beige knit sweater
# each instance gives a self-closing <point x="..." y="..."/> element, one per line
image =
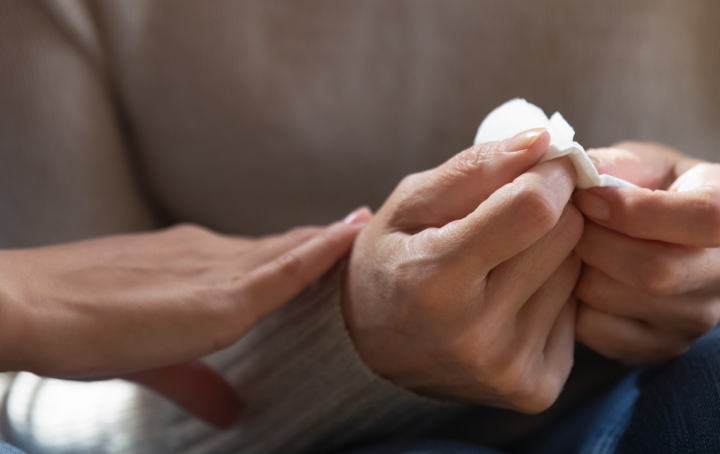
<point x="252" y="116"/>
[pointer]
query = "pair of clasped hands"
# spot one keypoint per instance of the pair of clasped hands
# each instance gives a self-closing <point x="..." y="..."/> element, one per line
<point x="471" y="283"/>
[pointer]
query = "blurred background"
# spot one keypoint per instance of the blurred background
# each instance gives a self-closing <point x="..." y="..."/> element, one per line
<point x="254" y="116"/>
<point x="257" y="115"/>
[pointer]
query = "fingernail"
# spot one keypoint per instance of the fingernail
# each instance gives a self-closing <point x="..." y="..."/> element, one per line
<point x="592" y="206"/>
<point x="360" y="216"/>
<point x="524" y="140"/>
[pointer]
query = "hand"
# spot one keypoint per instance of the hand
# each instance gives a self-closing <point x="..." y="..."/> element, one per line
<point x="460" y="287"/>
<point x="650" y="283"/>
<point x="144" y="306"/>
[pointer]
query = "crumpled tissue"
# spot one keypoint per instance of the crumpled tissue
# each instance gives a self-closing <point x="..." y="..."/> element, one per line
<point x="518" y="115"/>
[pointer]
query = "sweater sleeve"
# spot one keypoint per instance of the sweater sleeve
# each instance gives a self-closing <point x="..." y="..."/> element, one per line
<point x="305" y="388"/>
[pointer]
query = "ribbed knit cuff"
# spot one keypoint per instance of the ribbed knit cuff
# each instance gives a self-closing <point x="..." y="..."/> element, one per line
<point x="299" y="371"/>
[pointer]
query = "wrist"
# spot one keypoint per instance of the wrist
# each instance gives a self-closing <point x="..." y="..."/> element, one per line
<point x="352" y="313"/>
<point x="367" y="322"/>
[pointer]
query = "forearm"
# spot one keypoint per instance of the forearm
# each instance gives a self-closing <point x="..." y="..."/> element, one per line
<point x="304" y="386"/>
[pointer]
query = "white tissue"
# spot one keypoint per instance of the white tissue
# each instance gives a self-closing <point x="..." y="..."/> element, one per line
<point x="518" y="115"/>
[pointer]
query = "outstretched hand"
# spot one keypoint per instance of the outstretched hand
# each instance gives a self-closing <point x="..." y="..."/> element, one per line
<point x="145" y="306"/>
<point x="650" y="283"/>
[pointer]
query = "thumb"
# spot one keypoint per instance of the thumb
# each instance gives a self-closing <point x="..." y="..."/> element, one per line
<point x="195" y="387"/>
<point x="456" y="188"/>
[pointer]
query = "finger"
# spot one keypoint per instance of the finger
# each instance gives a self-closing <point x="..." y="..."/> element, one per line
<point x="516" y="281"/>
<point x="627" y="340"/>
<point x="654" y="267"/>
<point x="690" y="218"/>
<point x="538" y="316"/>
<point x="280" y="280"/>
<point x="270" y="247"/>
<point x="683" y="209"/>
<point x="690" y="314"/>
<point x="195" y="387"/>
<point x="457" y="187"/>
<point x="273" y="246"/>
<point x="645" y="164"/>
<point x="511" y="219"/>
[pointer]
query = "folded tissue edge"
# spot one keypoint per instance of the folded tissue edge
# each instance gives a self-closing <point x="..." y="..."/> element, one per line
<point x="518" y="115"/>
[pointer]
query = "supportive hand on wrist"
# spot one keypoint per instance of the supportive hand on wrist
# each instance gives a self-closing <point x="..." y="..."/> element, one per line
<point x="144" y="306"/>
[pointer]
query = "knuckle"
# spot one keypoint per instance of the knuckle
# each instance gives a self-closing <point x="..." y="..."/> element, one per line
<point x="657" y="274"/>
<point x="546" y="388"/>
<point x="591" y="287"/>
<point x="410" y="183"/>
<point x="704" y="318"/>
<point x="532" y="395"/>
<point x="572" y="223"/>
<point x="536" y="206"/>
<point x="542" y="399"/>
<point x="509" y="373"/>
<point x="512" y="378"/>
<point x="289" y="265"/>
<point x="473" y="159"/>
<point x="708" y="205"/>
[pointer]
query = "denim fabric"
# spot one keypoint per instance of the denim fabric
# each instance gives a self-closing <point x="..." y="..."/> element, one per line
<point x="613" y="417"/>
<point x="424" y="447"/>
<point x="595" y="428"/>
<point x="678" y="410"/>
<point x="7" y="449"/>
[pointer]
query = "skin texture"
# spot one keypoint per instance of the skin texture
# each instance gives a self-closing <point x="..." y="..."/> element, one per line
<point x="461" y="286"/>
<point x="650" y="283"/>
<point x="145" y="306"/>
<point x="464" y="286"/>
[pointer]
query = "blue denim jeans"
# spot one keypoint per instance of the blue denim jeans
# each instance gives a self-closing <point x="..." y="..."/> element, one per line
<point x="671" y="409"/>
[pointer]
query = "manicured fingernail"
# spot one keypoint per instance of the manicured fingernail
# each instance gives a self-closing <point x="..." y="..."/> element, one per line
<point x="524" y="140"/>
<point x="360" y="216"/>
<point x="592" y="206"/>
